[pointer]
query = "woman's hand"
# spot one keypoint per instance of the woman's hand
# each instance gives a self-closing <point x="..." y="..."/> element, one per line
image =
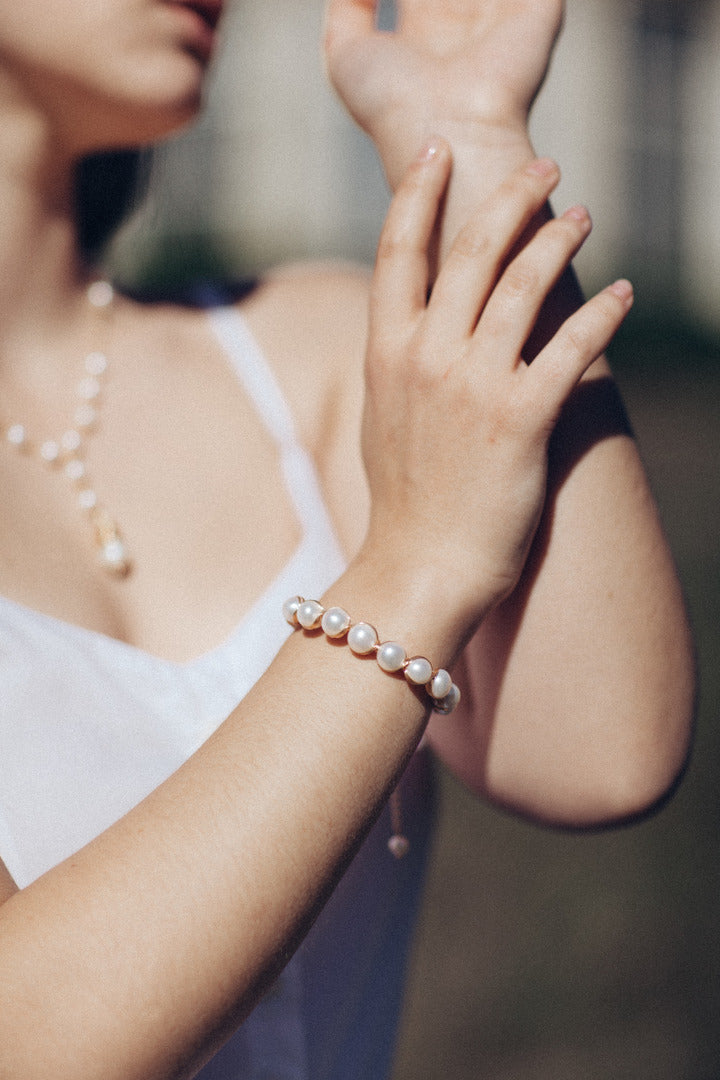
<point x="456" y="425"/>
<point x="468" y="70"/>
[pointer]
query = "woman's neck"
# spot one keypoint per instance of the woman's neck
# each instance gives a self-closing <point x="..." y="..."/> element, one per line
<point x="41" y="272"/>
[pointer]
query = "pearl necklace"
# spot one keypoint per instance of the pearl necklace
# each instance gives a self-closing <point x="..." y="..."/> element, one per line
<point x="66" y="454"/>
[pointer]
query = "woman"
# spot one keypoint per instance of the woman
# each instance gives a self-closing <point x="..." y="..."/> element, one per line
<point x="174" y="812"/>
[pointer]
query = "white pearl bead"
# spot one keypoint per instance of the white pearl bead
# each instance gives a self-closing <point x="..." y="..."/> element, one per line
<point x="89" y="388"/>
<point x="75" y="470"/>
<point x="71" y="441"/>
<point x="16" y="435"/>
<point x="441" y="684"/>
<point x="96" y="363"/>
<point x="309" y="614"/>
<point x="398" y="846"/>
<point x="85" y="416"/>
<point x="50" y="451"/>
<point x="100" y="294"/>
<point x="114" y="557"/>
<point x="87" y="499"/>
<point x="391" y="656"/>
<point x="362" y="638"/>
<point x="335" y="622"/>
<point x="418" y="671"/>
<point x="448" y="703"/>
<point x="289" y="609"/>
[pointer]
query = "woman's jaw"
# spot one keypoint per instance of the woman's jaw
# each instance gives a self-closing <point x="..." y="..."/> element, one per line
<point x="114" y="74"/>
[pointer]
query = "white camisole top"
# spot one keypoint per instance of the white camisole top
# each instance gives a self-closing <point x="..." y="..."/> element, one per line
<point x="90" y="725"/>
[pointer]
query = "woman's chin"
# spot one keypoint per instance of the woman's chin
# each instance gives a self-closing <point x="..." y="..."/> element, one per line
<point x="154" y="109"/>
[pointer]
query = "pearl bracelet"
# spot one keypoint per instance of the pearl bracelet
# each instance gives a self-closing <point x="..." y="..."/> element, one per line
<point x="364" y="641"/>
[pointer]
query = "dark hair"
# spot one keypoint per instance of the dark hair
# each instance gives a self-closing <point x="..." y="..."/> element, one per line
<point x="107" y="186"/>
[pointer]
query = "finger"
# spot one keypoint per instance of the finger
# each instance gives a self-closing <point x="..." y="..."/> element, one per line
<point x="400" y="280"/>
<point x="514" y="305"/>
<point x="582" y="338"/>
<point x="537" y="22"/>
<point x="482" y="246"/>
<point x="347" y="21"/>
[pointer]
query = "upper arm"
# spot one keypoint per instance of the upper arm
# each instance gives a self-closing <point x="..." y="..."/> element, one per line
<point x="580" y="687"/>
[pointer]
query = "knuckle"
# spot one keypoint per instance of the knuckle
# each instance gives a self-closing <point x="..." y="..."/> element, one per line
<point x="398" y="231"/>
<point x="526" y="189"/>
<point x="520" y="278"/>
<point x="505" y="420"/>
<point x="523" y="188"/>
<point x="578" y="339"/>
<point x="562" y="236"/>
<point x="413" y="186"/>
<point x="557" y="241"/>
<point x="587" y="334"/>
<point x="473" y="242"/>
<point x="394" y="359"/>
<point x="395" y="243"/>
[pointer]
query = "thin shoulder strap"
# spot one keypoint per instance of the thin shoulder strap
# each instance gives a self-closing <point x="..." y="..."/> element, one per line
<point x="298" y="468"/>
<point x="254" y="373"/>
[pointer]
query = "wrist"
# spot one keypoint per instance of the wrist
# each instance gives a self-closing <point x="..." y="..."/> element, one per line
<point x="487" y="149"/>
<point x="411" y="600"/>
<point x="484" y="154"/>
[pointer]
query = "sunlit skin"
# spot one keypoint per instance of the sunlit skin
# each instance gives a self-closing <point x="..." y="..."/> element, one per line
<point x="548" y="587"/>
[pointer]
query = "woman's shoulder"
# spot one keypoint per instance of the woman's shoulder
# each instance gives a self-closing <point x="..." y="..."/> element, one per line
<point x="319" y="305"/>
<point x="310" y="323"/>
<point x="310" y="319"/>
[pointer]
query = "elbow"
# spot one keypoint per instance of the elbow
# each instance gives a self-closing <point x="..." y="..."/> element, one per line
<point x="647" y="777"/>
<point x="601" y="780"/>
<point x="632" y="780"/>
<point x="654" y="746"/>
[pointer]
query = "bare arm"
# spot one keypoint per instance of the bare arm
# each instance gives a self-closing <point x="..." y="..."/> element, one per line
<point x="140" y="954"/>
<point x="587" y="670"/>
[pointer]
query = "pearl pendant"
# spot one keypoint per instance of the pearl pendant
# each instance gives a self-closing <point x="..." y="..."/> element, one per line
<point x="398" y="845"/>
<point x="66" y="454"/>
<point x="114" y="558"/>
<point x="112" y="552"/>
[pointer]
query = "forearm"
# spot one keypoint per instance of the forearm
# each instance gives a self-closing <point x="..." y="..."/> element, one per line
<point x="593" y="671"/>
<point x="134" y="957"/>
<point x="584" y="680"/>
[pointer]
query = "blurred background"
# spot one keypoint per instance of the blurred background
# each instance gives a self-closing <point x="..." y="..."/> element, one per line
<point x="540" y="956"/>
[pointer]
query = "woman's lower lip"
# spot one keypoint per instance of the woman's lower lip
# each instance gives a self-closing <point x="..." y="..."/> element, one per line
<point x="201" y="34"/>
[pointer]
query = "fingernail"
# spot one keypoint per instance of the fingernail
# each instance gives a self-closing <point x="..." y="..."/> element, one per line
<point x="622" y="289"/>
<point x="578" y="213"/>
<point x="543" y="167"/>
<point x="430" y="150"/>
